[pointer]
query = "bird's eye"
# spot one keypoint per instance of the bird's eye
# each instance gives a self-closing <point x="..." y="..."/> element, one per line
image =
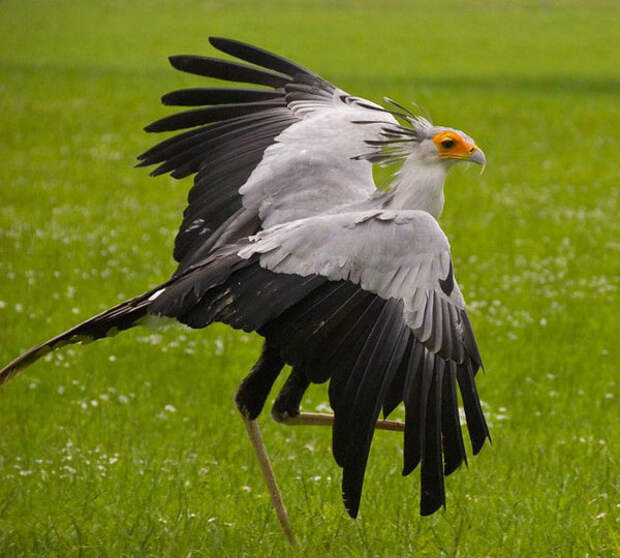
<point x="447" y="143"/>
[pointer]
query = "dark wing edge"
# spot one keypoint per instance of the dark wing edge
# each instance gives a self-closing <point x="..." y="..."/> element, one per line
<point x="336" y="330"/>
<point x="228" y="134"/>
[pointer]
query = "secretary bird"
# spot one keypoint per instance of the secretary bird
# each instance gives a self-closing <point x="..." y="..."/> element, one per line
<point x="286" y="234"/>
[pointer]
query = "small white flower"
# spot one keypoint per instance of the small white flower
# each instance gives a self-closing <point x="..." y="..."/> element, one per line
<point x="170" y="409"/>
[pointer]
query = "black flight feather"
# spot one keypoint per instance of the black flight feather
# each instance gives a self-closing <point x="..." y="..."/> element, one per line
<point x="304" y="329"/>
<point x="227" y="70"/>
<point x="451" y="431"/>
<point x="367" y="385"/>
<point x="416" y="400"/>
<point x="345" y="351"/>
<point x="176" y="144"/>
<point x="476" y="423"/>
<point x="395" y="392"/>
<point x="163" y="146"/>
<point x="198" y="117"/>
<point x="197" y="96"/>
<point x="432" y="495"/>
<point x="258" y="56"/>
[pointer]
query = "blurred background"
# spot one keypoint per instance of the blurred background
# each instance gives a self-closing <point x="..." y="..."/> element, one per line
<point x="133" y="446"/>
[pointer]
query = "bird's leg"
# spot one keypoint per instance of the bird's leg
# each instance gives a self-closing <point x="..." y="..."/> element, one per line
<point x="286" y="407"/>
<point x="255" y="387"/>
<point x="250" y="399"/>
<point x="270" y="478"/>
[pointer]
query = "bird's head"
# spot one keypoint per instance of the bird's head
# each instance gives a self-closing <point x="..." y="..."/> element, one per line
<point x="453" y="146"/>
<point x="428" y="143"/>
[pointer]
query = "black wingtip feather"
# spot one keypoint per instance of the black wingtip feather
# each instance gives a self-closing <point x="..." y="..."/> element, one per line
<point x="259" y="56"/>
<point x="198" y="96"/>
<point x="227" y="70"/>
<point x="207" y="115"/>
<point x="452" y="435"/>
<point x="366" y="387"/>
<point x="476" y="423"/>
<point x="416" y="402"/>
<point x="432" y="491"/>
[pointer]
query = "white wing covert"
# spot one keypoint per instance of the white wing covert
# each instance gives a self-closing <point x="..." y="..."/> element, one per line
<point x="402" y="255"/>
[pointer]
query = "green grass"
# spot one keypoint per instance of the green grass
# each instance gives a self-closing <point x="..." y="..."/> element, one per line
<point x="132" y="446"/>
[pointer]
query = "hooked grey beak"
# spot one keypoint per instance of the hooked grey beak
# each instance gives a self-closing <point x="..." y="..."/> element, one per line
<point x="477" y="156"/>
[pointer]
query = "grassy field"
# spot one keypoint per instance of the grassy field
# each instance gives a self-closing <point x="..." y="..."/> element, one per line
<point x="132" y="446"/>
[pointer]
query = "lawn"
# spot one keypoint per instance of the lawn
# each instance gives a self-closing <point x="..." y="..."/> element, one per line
<point x="132" y="446"/>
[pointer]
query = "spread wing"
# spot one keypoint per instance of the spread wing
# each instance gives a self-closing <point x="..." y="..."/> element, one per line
<point x="369" y="301"/>
<point x="261" y="155"/>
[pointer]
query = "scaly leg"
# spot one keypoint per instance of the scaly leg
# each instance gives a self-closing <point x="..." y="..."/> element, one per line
<point x="270" y="478"/>
<point x="250" y="399"/>
<point x="325" y="419"/>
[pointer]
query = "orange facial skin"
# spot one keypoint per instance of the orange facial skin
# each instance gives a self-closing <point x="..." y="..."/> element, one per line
<point x="452" y="145"/>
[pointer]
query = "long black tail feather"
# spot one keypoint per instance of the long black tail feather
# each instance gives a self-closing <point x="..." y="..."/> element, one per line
<point x="108" y="323"/>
